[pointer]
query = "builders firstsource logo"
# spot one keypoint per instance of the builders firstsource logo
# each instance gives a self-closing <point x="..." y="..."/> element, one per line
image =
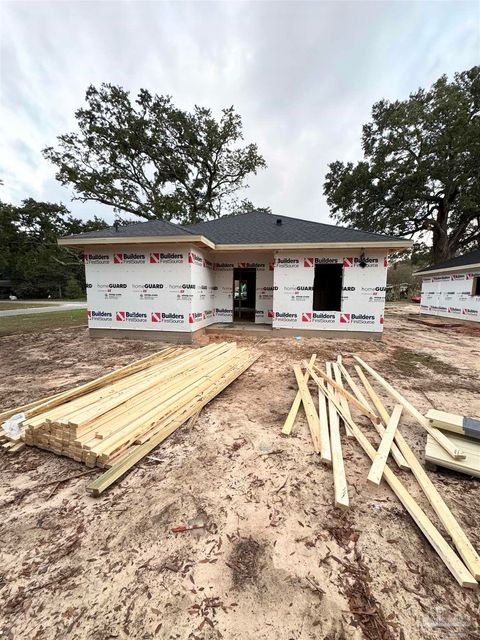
<point x="287" y="263"/>
<point x="96" y="258"/>
<point x="252" y="265"/>
<point x="194" y="258"/>
<point x="223" y="266"/>
<point x="286" y="316"/>
<point x="100" y="316"/>
<point x="195" y="317"/>
<point x="471" y="313"/>
<point x="166" y="258"/>
<point x="319" y="317"/>
<point x="129" y="258"/>
<point x="222" y="312"/>
<point x="157" y="317"/>
<point x="130" y="316"/>
<point x="366" y="261"/>
<point x="311" y="262"/>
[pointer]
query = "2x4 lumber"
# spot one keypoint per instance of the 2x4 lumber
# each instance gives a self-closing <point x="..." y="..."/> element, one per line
<point x="84" y="416"/>
<point x="343" y="392"/>
<point x="438" y="542"/>
<point x="125" y="463"/>
<point x="453" y="528"/>
<point x="380" y="428"/>
<point x="343" y="401"/>
<point x="454" y="423"/>
<point x="470" y="466"/>
<point x="380" y="460"/>
<point x="339" y="477"/>
<point x="292" y="414"/>
<point x="310" y="411"/>
<point x="437" y="435"/>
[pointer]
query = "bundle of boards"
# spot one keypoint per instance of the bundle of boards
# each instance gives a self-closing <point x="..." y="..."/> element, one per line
<point x="115" y="420"/>
<point x="335" y="405"/>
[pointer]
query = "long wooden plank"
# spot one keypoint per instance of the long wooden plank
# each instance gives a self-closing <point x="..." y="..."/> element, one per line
<point x="310" y="411"/>
<point x="453" y="528"/>
<point x="339" y="389"/>
<point x="380" y="428"/>
<point x="339" y="477"/>
<point x="383" y="451"/>
<point x="326" y="450"/>
<point x="292" y="414"/>
<point x="438" y="542"/>
<point x="343" y="400"/>
<point x="437" y="435"/>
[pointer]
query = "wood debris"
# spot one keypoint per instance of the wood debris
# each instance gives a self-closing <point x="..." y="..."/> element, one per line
<point x="465" y="566"/>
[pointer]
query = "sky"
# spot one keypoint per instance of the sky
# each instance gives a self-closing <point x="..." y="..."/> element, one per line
<point x="303" y="76"/>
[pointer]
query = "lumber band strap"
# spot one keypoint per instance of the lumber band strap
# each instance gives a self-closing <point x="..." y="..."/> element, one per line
<point x="472" y="428"/>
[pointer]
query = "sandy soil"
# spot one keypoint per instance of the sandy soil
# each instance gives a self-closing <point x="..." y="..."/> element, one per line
<point x="274" y="560"/>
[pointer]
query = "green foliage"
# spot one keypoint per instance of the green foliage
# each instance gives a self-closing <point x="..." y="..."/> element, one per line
<point x="152" y="159"/>
<point x="72" y="289"/>
<point x="29" y="254"/>
<point x="421" y="168"/>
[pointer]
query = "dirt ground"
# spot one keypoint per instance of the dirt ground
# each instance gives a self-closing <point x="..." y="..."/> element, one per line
<point x="275" y="559"/>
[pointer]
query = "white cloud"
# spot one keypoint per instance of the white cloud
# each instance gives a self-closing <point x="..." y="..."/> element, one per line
<point x="303" y="75"/>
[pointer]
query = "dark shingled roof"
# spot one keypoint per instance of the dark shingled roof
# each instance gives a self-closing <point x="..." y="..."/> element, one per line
<point x="137" y="229"/>
<point x="259" y="227"/>
<point x="460" y="261"/>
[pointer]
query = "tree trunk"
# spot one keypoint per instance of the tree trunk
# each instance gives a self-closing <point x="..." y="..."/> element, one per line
<point x="441" y="248"/>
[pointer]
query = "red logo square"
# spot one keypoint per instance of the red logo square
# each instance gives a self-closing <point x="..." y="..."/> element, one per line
<point x="308" y="262"/>
<point x="154" y="258"/>
<point x="117" y="258"/>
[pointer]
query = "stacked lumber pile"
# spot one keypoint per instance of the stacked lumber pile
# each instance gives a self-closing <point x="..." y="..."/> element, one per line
<point x="462" y="432"/>
<point x="335" y="406"/>
<point x="131" y="410"/>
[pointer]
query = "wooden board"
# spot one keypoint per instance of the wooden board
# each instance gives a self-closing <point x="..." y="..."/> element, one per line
<point x="343" y="400"/>
<point x="310" y="411"/>
<point x="470" y="465"/>
<point x="339" y="478"/>
<point x="380" y="460"/>
<point x="292" y="414"/>
<point x="435" y="433"/>
<point x="380" y="428"/>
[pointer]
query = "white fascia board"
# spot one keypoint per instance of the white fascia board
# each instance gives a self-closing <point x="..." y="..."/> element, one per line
<point x="390" y="245"/>
<point x="463" y="267"/>
<point x="77" y="242"/>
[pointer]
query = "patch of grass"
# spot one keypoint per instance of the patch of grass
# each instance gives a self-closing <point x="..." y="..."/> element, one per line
<point x="6" y="305"/>
<point x="32" y="322"/>
<point x="407" y="362"/>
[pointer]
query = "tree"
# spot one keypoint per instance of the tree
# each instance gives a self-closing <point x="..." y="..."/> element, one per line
<point x="421" y="171"/>
<point x="152" y="159"/>
<point x="29" y="254"/>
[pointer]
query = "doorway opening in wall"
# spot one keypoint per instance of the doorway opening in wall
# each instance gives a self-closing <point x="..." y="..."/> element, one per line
<point x="327" y="287"/>
<point x="244" y="293"/>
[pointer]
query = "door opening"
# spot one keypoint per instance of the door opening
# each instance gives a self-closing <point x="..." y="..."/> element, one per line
<point x="327" y="287"/>
<point x="244" y="294"/>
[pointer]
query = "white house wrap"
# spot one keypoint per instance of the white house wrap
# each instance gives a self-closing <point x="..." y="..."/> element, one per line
<point x="452" y="289"/>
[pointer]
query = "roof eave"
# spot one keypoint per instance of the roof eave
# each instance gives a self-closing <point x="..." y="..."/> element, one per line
<point x="463" y="267"/>
<point x="391" y="245"/>
<point x="95" y="241"/>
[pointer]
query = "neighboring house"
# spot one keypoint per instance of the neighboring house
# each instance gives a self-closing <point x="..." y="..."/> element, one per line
<point x="292" y="274"/>
<point x="451" y="289"/>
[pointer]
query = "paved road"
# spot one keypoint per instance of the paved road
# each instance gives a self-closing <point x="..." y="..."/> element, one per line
<point x="67" y="306"/>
